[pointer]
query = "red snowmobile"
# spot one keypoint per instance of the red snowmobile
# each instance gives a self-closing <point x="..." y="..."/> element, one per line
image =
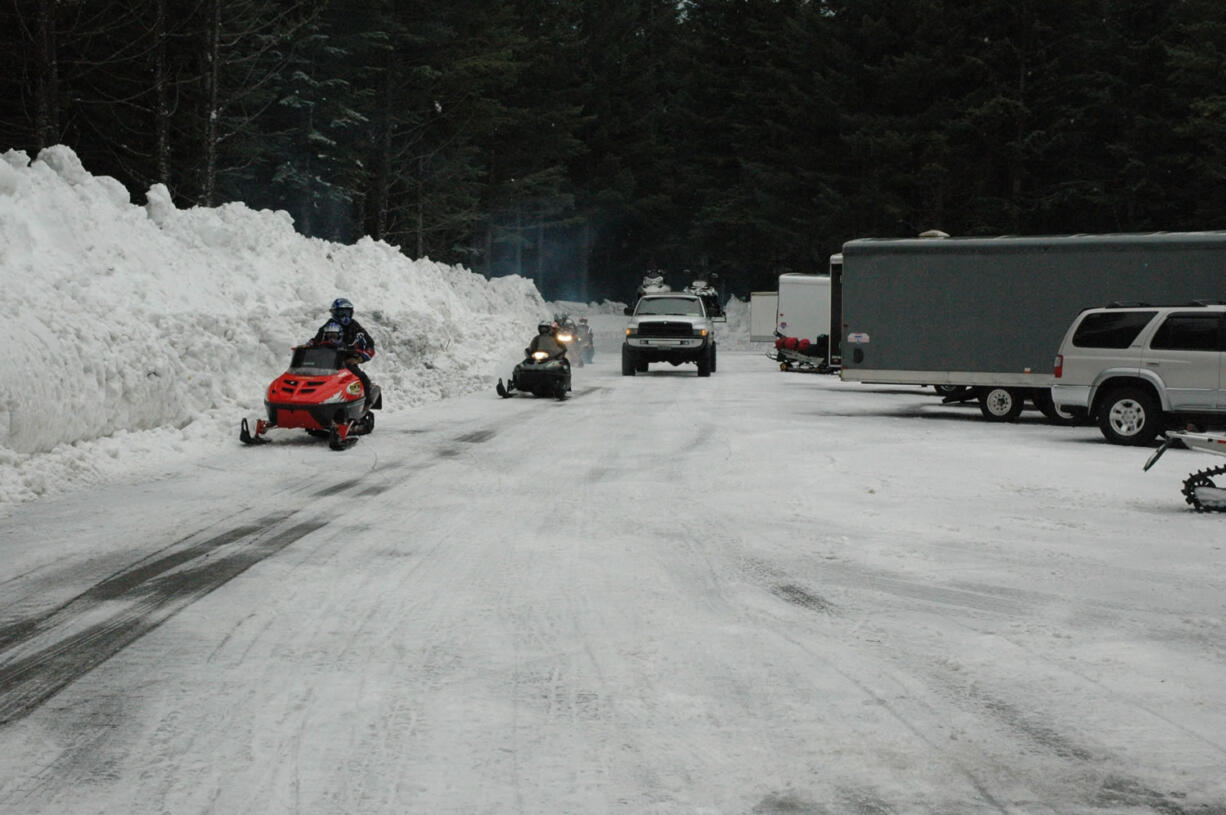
<point x="319" y="395"/>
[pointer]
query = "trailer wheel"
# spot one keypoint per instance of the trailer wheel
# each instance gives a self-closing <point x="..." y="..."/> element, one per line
<point x="1129" y="415"/>
<point x="1001" y="404"/>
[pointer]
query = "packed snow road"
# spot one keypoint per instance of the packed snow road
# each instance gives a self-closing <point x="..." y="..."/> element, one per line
<point x="754" y="593"/>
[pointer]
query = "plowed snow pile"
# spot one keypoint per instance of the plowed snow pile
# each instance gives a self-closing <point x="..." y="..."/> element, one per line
<point x="133" y="328"/>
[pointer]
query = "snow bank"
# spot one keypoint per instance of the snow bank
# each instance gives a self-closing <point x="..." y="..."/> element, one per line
<point x="127" y="318"/>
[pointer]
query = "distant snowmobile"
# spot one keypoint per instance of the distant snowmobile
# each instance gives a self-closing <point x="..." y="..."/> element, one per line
<point x="539" y="374"/>
<point x="568" y="336"/>
<point x="1199" y="489"/>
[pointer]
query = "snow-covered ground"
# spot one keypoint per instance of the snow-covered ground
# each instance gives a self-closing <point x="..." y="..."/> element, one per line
<point x="754" y="594"/>
<point x="758" y="593"/>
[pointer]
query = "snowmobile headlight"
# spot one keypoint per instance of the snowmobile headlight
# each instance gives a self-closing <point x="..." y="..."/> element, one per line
<point x="565" y="337"/>
<point x="540" y="355"/>
<point x="354" y="389"/>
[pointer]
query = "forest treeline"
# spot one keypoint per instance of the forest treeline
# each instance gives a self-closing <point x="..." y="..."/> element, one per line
<point x="582" y="142"/>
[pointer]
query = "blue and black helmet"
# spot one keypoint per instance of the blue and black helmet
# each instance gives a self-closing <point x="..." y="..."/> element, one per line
<point x="333" y="333"/>
<point x="342" y="310"/>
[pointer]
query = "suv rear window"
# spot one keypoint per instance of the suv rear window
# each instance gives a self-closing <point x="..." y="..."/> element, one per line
<point x="1189" y="332"/>
<point x="1111" y="329"/>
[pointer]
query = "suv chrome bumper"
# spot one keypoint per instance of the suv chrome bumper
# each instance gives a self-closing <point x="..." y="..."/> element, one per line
<point x="665" y="342"/>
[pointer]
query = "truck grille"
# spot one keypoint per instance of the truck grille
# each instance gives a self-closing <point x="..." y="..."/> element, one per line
<point x="665" y="329"/>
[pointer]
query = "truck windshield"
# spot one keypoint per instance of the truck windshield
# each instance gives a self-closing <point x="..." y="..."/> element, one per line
<point x="687" y="306"/>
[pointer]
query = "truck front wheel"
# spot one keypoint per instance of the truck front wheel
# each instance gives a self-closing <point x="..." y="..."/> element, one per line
<point x="628" y="362"/>
<point x="1129" y="415"/>
<point x="1001" y="404"/>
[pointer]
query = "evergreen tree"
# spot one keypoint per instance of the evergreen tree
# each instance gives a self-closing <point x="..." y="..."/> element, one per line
<point x="1197" y="62"/>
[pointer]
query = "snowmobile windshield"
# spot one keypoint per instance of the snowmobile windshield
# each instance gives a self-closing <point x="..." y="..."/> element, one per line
<point x="670" y="305"/>
<point x="317" y="360"/>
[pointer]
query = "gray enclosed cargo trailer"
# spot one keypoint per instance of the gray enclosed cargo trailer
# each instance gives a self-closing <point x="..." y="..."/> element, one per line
<point x="989" y="313"/>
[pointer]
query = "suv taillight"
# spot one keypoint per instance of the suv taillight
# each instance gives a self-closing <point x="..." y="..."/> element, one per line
<point x="1058" y="366"/>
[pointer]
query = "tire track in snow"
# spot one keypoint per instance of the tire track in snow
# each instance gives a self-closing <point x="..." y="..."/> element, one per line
<point x="87" y="631"/>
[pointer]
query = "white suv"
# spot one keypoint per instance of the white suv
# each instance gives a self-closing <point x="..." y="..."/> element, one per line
<point x="1137" y="370"/>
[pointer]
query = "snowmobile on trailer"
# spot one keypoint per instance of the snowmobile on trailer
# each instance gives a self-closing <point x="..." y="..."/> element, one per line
<point x="318" y="394"/>
<point x="653" y="283"/>
<point x="796" y="354"/>
<point x="1199" y="489"/>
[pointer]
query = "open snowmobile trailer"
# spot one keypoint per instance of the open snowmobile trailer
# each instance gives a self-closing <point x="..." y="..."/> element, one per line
<point x="811" y="358"/>
<point x="1199" y="489"/>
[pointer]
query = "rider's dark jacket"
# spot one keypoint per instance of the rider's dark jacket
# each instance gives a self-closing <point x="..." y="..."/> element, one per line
<point x="355" y="338"/>
<point x="547" y="343"/>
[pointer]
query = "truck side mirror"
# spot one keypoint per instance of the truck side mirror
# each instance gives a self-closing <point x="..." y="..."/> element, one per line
<point x="628" y="311"/>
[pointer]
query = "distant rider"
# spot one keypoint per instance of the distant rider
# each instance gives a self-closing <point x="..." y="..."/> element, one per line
<point x="352" y="337"/>
<point x="546" y="340"/>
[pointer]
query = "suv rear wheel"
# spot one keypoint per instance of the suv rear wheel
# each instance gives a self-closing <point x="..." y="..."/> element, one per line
<point x="1129" y="415"/>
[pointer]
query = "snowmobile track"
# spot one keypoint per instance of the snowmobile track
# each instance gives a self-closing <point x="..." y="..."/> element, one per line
<point x="145" y="596"/>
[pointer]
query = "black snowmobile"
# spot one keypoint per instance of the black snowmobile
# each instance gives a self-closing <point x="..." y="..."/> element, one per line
<point x="540" y="374"/>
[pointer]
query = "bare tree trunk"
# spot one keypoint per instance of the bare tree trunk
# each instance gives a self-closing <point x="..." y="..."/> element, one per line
<point x="46" y="112"/>
<point x="538" y="272"/>
<point x="382" y="180"/>
<point x="421" y="206"/>
<point x="161" y="96"/>
<point x="488" y="260"/>
<point x="212" y="82"/>
<point x="519" y="240"/>
<point x="585" y="259"/>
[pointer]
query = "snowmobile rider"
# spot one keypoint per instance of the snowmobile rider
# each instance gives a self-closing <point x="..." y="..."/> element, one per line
<point x="352" y="337"/>
<point x="546" y="340"/>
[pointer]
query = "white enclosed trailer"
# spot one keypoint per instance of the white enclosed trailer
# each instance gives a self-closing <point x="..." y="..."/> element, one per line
<point x="763" y="309"/>
<point x="804" y="306"/>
